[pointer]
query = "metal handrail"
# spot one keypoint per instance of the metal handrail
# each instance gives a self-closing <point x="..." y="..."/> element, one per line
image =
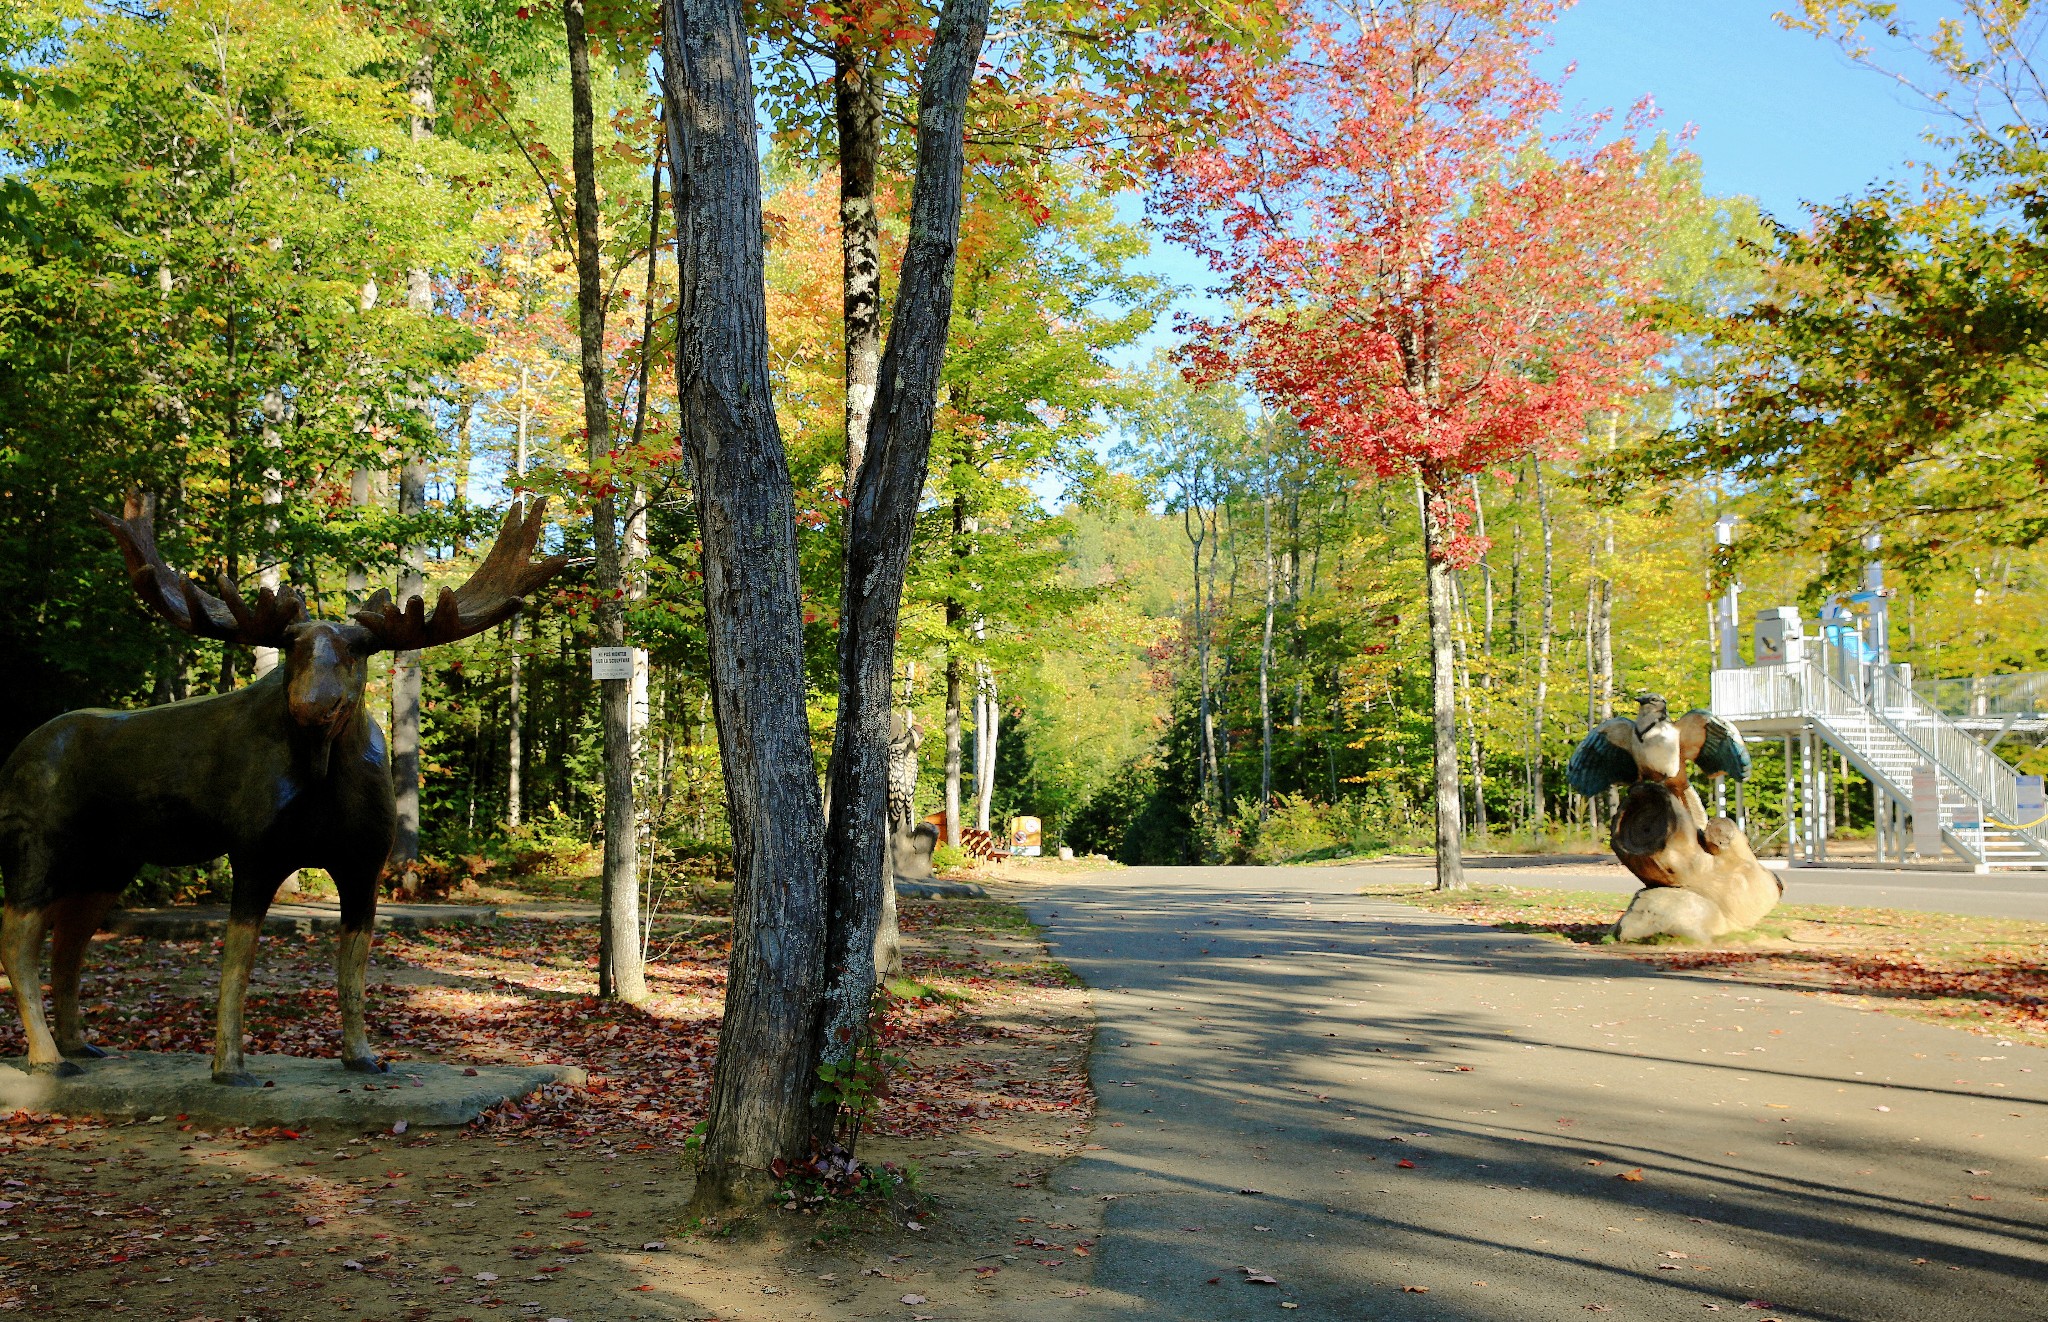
<point x="1832" y="683"/>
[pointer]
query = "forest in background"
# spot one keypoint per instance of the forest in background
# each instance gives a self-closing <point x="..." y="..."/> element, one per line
<point x="303" y="273"/>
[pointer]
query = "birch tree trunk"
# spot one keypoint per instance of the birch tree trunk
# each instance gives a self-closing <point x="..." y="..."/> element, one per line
<point x="1436" y="534"/>
<point x="515" y="746"/>
<point x="760" y="1100"/>
<point x="1266" y="666"/>
<point x="1548" y="624"/>
<point x="985" y="734"/>
<point x="1197" y="533"/>
<point x="881" y="521"/>
<point x="1464" y="655"/>
<point x="857" y="112"/>
<point x="953" y="691"/>
<point x="412" y="502"/>
<point x="621" y="972"/>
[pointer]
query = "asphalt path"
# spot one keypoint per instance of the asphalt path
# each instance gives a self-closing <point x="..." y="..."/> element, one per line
<point x="1928" y="890"/>
<point x="1393" y="1114"/>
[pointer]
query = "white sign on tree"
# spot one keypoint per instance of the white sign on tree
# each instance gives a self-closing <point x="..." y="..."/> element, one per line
<point x="611" y="662"/>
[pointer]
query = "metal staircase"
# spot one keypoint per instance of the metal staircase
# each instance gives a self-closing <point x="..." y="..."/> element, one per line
<point x="1871" y="716"/>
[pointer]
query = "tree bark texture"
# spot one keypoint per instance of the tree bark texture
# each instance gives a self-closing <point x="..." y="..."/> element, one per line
<point x="405" y="692"/>
<point x="988" y="716"/>
<point x="1436" y="533"/>
<point x="857" y="108"/>
<point x="1548" y="624"/>
<point x="1266" y="667"/>
<point x="621" y="973"/>
<point x="760" y="1102"/>
<point x="953" y="750"/>
<point x="412" y="501"/>
<point x="515" y="747"/>
<point x="880" y="523"/>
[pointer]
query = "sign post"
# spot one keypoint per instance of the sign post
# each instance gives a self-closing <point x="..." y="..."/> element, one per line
<point x="2031" y="801"/>
<point x="1926" y="813"/>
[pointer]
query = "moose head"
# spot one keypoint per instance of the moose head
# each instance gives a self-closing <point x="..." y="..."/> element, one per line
<point x="323" y="660"/>
<point x="285" y="773"/>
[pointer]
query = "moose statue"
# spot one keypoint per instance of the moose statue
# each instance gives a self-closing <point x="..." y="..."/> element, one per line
<point x="287" y="772"/>
<point x="1700" y="878"/>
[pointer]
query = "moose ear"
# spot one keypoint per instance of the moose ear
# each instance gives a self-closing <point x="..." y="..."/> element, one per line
<point x="361" y="642"/>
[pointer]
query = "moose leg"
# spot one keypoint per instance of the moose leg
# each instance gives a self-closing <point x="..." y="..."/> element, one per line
<point x="358" y="896"/>
<point x="21" y="952"/>
<point x="74" y="921"/>
<point x="237" y="960"/>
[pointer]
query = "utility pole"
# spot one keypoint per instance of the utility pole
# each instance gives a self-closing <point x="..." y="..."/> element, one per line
<point x="1731" y="605"/>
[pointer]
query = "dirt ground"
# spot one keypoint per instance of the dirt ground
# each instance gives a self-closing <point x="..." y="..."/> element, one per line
<point x="570" y="1205"/>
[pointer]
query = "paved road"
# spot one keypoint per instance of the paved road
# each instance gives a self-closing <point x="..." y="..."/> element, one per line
<point x="1364" y="1102"/>
<point x="1993" y="895"/>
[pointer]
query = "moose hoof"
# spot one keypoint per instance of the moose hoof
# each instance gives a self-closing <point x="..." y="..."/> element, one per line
<point x="237" y="1079"/>
<point x="365" y="1065"/>
<point x="85" y="1051"/>
<point x="56" y="1069"/>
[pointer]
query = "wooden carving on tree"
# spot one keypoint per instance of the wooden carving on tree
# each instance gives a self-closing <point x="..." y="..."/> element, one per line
<point x="1700" y="878"/>
<point x="285" y="773"/>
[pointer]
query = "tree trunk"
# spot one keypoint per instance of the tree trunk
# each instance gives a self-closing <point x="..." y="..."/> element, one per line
<point x="264" y="659"/>
<point x="1464" y="659"/>
<point x="881" y="521"/>
<point x="515" y="747"/>
<point x="621" y="973"/>
<point x="760" y="1102"/>
<point x="1436" y="534"/>
<point x="1548" y="621"/>
<point x="405" y="693"/>
<point x="952" y="737"/>
<point x="1606" y="634"/>
<point x="1205" y="774"/>
<point x="985" y="745"/>
<point x="1266" y="668"/>
<point x="857" y="108"/>
<point x="412" y="502"/>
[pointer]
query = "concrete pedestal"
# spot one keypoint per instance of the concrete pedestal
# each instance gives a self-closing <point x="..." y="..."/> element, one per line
<point x="301" y="1093"/>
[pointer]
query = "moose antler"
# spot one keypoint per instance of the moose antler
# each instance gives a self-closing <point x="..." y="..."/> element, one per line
<point x="492" y="595"/>
<point x="183" y="602"/>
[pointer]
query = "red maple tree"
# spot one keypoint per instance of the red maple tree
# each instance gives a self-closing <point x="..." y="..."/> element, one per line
<point x="1433" y="269"/>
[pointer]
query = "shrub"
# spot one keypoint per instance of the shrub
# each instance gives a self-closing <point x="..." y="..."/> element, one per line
<point x="549" y="845"/>
<point x="950" y="858"/>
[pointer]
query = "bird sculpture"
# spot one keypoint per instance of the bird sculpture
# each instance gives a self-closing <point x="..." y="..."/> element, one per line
<point x="1656" y="748"/>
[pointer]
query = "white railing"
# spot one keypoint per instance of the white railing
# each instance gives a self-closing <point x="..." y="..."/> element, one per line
<point x="1840" y="692"/>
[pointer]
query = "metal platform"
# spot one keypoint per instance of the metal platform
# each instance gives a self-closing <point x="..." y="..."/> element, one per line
<point x="1874" y="717"/>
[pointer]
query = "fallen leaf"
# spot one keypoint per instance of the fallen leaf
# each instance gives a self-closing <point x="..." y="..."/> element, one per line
<point x="1632" y="1176"/>
<point x="1414" y="1289"/>
<point x="578" y="1216"/>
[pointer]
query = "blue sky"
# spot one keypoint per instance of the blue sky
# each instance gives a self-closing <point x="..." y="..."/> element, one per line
<point x="1778" y="116"/>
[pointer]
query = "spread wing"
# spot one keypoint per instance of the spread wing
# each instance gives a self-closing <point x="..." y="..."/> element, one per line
<point x="1604" y="757"/>
<point x="1713" y="743"/>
